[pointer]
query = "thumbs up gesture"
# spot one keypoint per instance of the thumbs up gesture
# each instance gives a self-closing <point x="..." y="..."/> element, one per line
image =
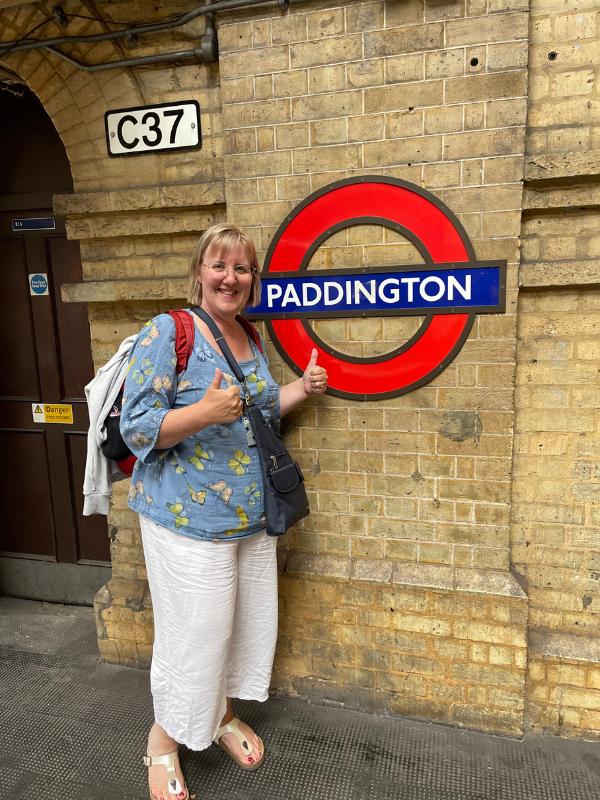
<point x="221" y="405"/>
<point x="315" y="377"/>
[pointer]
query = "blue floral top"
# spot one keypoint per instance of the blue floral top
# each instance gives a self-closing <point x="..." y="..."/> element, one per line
<point x="209" y="486"/>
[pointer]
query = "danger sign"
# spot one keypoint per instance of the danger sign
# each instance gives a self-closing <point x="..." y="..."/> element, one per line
<point x="53" y="413"/>
<point x="448" y="290"/>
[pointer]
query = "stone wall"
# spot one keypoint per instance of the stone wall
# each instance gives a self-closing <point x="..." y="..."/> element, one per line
<point x="555" y="476"/>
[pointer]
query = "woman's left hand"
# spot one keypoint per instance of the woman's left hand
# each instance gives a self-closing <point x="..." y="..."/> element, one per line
<point x="315" y="378"/>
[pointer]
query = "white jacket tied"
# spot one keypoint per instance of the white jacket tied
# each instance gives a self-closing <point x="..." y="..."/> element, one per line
<point x="101" y="393"/>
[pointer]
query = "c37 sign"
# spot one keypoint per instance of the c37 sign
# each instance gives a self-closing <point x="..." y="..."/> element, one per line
<point x="448" y="289"/>
<point x="148" y="129"/>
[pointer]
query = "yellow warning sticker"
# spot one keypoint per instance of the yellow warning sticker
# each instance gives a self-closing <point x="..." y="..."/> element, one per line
<point x="61" y="413"/>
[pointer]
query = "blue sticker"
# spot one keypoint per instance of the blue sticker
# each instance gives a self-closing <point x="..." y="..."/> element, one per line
<point x="38" y="283"/>
<point x="34" y="224"/>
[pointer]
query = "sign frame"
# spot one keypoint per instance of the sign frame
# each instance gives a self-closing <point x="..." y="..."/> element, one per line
<point x="52" y="413"/>
<point x="30" y="278"/>
<point x="47" y="224"/>
<point x="387" y="312"/>
<point x="150" y="109"/>
<point x="295" y="245"/>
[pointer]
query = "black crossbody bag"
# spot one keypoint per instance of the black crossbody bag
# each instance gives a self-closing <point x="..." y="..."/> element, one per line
<point x="285" y="496"/>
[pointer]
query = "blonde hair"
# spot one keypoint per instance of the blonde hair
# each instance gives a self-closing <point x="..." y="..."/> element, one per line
<point x="224" y="236"/>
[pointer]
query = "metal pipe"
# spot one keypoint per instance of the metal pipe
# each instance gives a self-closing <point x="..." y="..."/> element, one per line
<point x="151" y="27"/>
<point x="178" y="55"/>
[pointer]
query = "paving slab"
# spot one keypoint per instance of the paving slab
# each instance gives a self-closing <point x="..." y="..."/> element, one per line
<point x="74" y="728"/>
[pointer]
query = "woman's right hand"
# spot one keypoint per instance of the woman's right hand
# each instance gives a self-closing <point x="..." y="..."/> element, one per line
<point x="221" y="405"/>
<point x="218" y="406"/>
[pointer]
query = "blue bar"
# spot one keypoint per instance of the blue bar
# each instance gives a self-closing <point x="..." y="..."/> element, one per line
<point x="410" y="291"/>
<point x="34" y="224"/>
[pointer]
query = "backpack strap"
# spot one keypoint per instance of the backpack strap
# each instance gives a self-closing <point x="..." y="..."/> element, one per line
<point x="250" y="330"/>
<point x="184" y="337"/>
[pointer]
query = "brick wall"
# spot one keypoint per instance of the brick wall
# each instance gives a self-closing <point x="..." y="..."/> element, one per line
<point x="555" y="478"/>
<point x="413" y="491"/>
<point x="397" y="592"/>
<point x="430" y="94"/>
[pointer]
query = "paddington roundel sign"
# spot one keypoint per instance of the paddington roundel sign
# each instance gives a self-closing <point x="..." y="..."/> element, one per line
<point x="447" y="290"/>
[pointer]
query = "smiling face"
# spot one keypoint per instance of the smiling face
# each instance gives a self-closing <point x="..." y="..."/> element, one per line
<point x="225" y="294"/>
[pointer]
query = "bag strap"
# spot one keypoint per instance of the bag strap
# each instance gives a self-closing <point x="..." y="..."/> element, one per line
<point x="251" y="331"/>
<point x="184" y="337"/>
<point x="220" y="340"/>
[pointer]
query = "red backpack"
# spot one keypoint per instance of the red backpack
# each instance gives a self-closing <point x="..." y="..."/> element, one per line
<point x="114" y="446"/>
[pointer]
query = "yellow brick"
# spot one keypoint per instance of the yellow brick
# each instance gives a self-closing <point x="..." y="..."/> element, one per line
<point x="501" y="113"/>
<point x="401" y="684"/>
<point x="288" y="84"/>
<point x="402" y="96"/>
<point x="259" y="165"/>
<point x="564" y="674"/>
<point x="578" y="698"/>
<point x="325" y="23"/>
<point x="474" y="116"/>
<point x="257" y="113"/>
<point x="362" y="17"/>
<point x="501" y="27"/>
<point x="261" y="33"/>
<point x="440" y="175"/>
<point x="235" y="90"/>
<point x="477" y="695"/>
<point x="571" y="717"/>
<point x="593" y="678"/>
<point x="482" y="143"/>
<point x="363" y="129"/>
<point x="266" y="141"/>
<point x="399" y="550"/>
<point x="365" y="73"/>
<point x="479" y="653"/>
<point x="426" y="625"/>
<point x="501" y="655"/>
<point x="591" y="721"/>
<point x="237" y="36"/>
<point x="326" y="79"/>
<point x="444" y="63"/>
<point x="407" y="39"/>
<point x="486" y="87"/>
<point x="444" y="119"/>
<point x="289" y="28"/>
<point x="326" y="51"/>
<point x="503" y="699"/>
<point x="482" y="632"/>
<point x="435" y="553"/>
<point x="328" y="132"/>
<point x="254" y="62"/>
<point x="404" y="123"/>
<point x="367" y="548"/>
<point x="292" y="136"/>
<point x="426" y="148"/>
<point x="405" y="68"/>
<point x="325" y="106"/>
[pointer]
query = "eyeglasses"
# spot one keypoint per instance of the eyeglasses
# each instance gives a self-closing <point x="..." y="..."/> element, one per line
<point x="240" y="270"/>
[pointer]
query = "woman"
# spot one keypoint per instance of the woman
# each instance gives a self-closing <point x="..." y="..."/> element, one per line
<point x="197" y="487"/>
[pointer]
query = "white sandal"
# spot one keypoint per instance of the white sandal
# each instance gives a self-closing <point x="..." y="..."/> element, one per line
<point x="168" y="762"/>
<point x="247" y="749"/>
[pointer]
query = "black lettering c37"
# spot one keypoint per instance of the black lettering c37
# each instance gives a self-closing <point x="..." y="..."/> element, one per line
<point x="124" y="143"/>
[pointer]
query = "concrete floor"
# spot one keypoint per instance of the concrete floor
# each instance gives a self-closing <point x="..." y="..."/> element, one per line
<point x="74" y="728"/>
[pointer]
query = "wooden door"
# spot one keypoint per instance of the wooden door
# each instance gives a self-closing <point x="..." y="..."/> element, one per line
<point x="46" y="358"/>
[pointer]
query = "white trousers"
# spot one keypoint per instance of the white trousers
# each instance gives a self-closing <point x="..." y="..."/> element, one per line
<point x="215" y="627"/>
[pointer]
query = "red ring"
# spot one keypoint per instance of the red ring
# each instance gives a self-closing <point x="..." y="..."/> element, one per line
<point x="418" y="214"/>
